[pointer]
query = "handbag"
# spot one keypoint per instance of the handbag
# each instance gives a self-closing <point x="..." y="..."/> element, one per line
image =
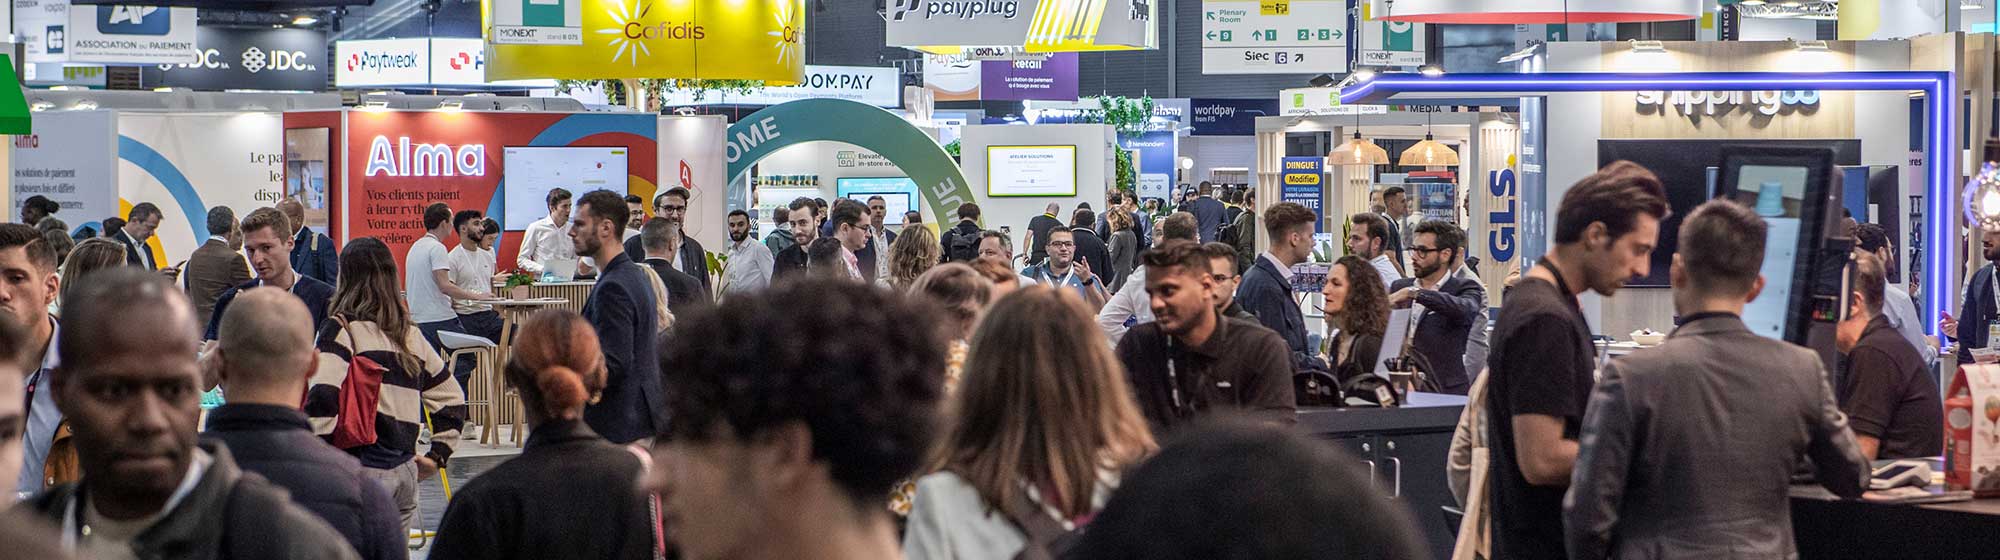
<point x="360" y="397"/>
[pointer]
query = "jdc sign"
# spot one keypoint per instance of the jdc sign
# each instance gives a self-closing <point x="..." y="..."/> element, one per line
<point x="266" y="59"/>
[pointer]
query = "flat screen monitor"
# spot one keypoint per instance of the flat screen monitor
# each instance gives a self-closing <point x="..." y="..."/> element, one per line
<point x="531" y="172"/>
<point x="1788" y="188"/>
<point x="898" y="192"/>
<point x="1031" y="171"/>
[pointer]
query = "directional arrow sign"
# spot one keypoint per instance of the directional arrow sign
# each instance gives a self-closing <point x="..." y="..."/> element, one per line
<point x="1210" y="15"/>
<point x="1210" y="35"/>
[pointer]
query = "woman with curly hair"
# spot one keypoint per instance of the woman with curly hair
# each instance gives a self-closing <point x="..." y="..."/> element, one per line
<point x="1357" y="304"/>
<point x="914" y="251"/>
<point x="570" y="494"/>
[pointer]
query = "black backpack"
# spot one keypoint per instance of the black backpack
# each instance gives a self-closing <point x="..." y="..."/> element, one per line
<point x="964" y="247"/>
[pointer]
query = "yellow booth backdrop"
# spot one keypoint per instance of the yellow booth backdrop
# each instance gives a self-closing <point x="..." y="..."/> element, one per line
<point x="705" y="39"/>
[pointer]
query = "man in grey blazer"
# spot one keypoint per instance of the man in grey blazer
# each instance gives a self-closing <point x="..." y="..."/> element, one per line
<point x="1688" y="449"/>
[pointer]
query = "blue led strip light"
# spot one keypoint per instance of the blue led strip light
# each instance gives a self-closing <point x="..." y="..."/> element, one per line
<point x="1940" y="154"/>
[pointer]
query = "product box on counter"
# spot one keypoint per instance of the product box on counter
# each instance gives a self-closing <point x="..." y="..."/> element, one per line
<point x="1972" y="430"/>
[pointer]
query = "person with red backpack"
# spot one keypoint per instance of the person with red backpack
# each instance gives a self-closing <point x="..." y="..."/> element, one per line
<point x="376" y="378"/>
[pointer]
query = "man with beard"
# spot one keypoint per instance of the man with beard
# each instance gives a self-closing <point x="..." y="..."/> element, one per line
<point x="691" y="258"/>
<point x="1445" y="304"/>
<point x="805" y="228"/>
<point x="749" y="266"/>
<point x="1977" y="307"/>
<point x="621" y="308"/>
<point x="1191" y="359"/>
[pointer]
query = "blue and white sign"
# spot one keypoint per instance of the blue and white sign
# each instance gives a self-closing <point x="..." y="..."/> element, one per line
<point x="1305" y="184"/>
<point x="1155" y="154"/>
<point x="1501" y="241"/>
<point x="108" y="34"/>
<point x="1229" y="117"/>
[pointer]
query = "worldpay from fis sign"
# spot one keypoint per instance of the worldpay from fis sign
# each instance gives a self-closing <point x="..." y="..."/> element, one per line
<point x="261" y="59"/>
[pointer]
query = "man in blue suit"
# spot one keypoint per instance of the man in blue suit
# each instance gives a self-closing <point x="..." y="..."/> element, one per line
<point x="1978" y="305"/>
<point x="1447" y="305"/>
<point x="1209" y="212"/>
<point x="314" y="255"/>
<point x="1267" y="287"/>
<point x="620" y="307"/>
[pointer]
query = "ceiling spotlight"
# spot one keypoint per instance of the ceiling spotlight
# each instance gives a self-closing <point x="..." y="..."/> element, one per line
<point x="1431" y="70"/>
<point x="1752" y="2"/>
<point x="304" y="20"/>
<point x="451" y="105"/>
<point x="375" y="106"/>
<point x="1790" y="4"/>
<point x="41" y="105"/>
<point x="1648" y="47"/>
<point x="1363" y="74"/>
<point x="1322" y="80"/>
<point x="1809" y="46"/>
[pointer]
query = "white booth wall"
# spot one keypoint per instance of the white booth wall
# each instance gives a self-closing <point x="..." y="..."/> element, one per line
<point x="1879" y="119"/>
<point x="1211" y="152"/>
<point x="1094" y="144"/>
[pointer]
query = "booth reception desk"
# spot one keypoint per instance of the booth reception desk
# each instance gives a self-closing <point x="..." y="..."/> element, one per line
<point x="1405" y="450"/>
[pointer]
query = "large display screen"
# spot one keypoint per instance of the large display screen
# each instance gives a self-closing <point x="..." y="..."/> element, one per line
<point x="531" y="173"/>
<point x="1778" y="194"/>
<point x="898" y="193"/>
<point x="1031" y="171"/>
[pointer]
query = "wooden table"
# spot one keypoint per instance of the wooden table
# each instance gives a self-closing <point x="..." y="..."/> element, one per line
<point x="573" y="293"/>
<point x="513" y="312"/>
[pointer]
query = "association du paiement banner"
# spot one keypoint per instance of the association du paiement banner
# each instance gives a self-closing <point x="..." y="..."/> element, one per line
<point x="865" y="84"/>
<point x="129" y="35"/>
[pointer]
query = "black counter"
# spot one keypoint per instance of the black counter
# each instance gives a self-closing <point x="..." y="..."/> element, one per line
<point x="1825" y="527"/>
<point x="1405" y="450"/>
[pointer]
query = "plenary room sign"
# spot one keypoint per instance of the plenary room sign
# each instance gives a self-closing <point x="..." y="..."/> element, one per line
<point x="630" y="39"/>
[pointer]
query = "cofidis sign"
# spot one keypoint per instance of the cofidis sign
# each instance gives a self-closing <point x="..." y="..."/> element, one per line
<point x="710" y="39"/>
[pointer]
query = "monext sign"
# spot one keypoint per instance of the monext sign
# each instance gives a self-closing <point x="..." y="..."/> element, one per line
<point x="424" y="160"/>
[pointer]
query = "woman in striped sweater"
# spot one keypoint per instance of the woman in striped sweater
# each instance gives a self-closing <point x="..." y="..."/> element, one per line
<point x="367" y="319"/>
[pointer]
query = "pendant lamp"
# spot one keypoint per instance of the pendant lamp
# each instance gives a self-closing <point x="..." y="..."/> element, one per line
<point x="1358" y="151"/>
<point x="1430" y="152"/>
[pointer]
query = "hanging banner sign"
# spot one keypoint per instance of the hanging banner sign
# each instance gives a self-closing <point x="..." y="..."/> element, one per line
<point x="230" y="58"/>
<point x="1020" y="80"/>
<point x="1273" y="36"/>
<point x="537" y="22"/>
<point x="709" y="39"/>
<point x="943" y="26"/>
<point x="1305" y="184"/>
<point x="382" y="62"/>
<point x="39" y="27"/>
<point x="1537" y="11"/>
<point x="129" y="35"/>
<point x="1322" y="101"/>
<point x="952" y="77"/>
<point x="1389" y="43"/>
<point x="1229" y="117"/>
<point x="876" y="86"/>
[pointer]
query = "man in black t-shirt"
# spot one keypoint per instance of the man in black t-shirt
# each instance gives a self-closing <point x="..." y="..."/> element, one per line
<point x="1886" y="390"/>
<point x="1540" y="367"/>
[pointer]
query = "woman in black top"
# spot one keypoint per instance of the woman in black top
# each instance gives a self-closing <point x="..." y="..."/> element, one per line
<point x="570" y="494"/>
<point x="1357" y="310"/>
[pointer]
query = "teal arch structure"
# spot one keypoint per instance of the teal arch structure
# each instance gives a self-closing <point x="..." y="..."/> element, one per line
<point x="939" y="180"/>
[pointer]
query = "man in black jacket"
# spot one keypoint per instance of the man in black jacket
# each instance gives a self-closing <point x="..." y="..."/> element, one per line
<point x="148" y="489"/>
<point x="1089" y="247"/>
<point x="961" y="242"/>
<point x="621" y="304"/>
<point x="1449" y="304"/>
<point x="266" y="354"/>
<point x="805" y="228"/>
<point x="673" y="206"/>
<point x="661" y="239"/>
<point x="1267" y="287"/>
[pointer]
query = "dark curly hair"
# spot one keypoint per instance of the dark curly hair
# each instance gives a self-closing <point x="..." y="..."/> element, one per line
<point x="859" y="367"/>
<point x="1366" y="310"/>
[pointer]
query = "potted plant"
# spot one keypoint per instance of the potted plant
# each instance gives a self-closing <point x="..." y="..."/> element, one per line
<point x="517" y="284"/>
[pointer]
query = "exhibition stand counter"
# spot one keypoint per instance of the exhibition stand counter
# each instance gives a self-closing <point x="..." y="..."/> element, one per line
<point x="1405" y="449"/>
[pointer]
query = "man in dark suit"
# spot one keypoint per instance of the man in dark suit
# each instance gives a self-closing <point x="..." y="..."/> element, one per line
<point x="139" y="226"/>
<point x="1089" y="247"/>
<point x="632" y="406"/>
<point x="1687" y="449"/>
<point x="661" y="239"/>
<point x="1267" y="287"/>
<point x="215" y="266"/>
<point x="1209" y="213"/>
<point x="1977" y="307"/>
<point x="692" y="259"/>
<point x="264" y="358"/>
<point x="1449" y="305"/>
<point x="313" y="254"/>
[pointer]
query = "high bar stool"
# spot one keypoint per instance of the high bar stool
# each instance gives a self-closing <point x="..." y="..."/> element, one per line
<point x="481" y="383"/>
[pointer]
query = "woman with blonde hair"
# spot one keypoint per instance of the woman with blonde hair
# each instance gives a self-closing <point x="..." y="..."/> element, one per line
<point x="94" y="254"/>
<point x="570" y="494"/>
<point x="1039" y="432"/>
<point x="914" y="251"/>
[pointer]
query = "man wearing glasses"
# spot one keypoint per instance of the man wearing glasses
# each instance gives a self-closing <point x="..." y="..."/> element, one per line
<point x="1222" y="267"/>
<point x="691" y="258"/>
<point x="1445" y="304"/>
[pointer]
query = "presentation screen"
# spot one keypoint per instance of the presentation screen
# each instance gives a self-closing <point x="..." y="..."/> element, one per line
<point x="530" y="174"/>
<point x="1031" y="171"/>
<point x="898" y="192"/>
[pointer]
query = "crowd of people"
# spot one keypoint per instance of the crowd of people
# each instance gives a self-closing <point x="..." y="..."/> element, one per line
<point x="1125" y="388"/>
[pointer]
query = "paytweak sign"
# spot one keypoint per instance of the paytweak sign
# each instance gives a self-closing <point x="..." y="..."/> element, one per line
<point x="708" y="39"/>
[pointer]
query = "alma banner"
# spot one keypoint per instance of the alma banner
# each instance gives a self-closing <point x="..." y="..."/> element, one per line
<point x="620" y="39"/>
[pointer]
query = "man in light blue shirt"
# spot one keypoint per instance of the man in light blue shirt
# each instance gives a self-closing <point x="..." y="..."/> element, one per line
<point x="1897" y="304"/>
<point x="25" y="256"/>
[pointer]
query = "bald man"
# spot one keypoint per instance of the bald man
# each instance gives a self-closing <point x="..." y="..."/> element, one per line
<point x="313" y="254"/>
<point x="266" y="355"/>
<point x="1038" y="233"/>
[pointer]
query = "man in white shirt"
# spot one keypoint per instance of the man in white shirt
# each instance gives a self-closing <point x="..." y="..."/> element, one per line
<point x="547" y="240"/>
<point x="472" y="263"/>
<point x="1131" y="306"/>
<point x="426" y="278"/>
<point x="749" y="266"/>
<point x="1370" y="240"/>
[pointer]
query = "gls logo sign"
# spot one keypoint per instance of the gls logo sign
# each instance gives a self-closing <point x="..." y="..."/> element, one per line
<point x="132" y="20"/>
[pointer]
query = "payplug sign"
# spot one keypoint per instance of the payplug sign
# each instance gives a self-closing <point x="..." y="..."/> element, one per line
<point x="424" y="160"/>
<point x="960" y="9"/>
